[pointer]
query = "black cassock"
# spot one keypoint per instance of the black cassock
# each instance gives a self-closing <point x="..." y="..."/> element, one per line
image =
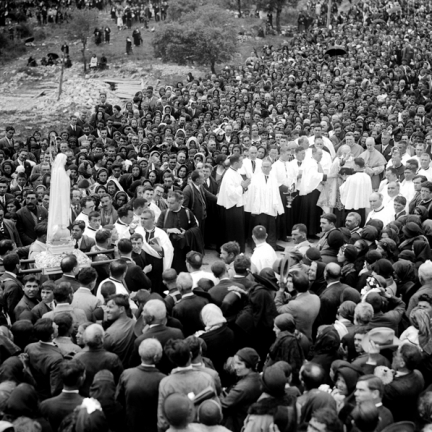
<point x="182" y="244"/>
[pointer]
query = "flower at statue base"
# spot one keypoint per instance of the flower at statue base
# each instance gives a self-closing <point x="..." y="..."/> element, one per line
<point x="48" y="260"/>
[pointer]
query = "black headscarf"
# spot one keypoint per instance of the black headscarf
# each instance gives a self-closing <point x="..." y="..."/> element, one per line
<point x="23" y="402"/>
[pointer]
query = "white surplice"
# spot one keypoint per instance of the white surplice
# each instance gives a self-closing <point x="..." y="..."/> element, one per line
<point x="231" y="190"/>
<point x="356" y="191"/>
<point x="384" y="214"/>
<point x="282" y="170"/>
<point x="164" y="242"/>
<point x="264" y="197"/>
<point x="311" y="178"/>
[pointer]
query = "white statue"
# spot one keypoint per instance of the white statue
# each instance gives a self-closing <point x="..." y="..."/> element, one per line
<point x="59" y="203"/>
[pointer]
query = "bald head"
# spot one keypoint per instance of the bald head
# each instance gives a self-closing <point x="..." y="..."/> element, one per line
<point x="332" y="272"/>
<point x="376" y="200"/>
<point x="93" y="336"/>
<point x="393" y="189"/>
<point x="370" y="141"/>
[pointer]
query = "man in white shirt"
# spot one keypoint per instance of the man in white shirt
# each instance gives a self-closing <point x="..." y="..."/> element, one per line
<point x="425" y="167"/>
<point x="94" y="225"/>
<point x="231" y="203"/>
<point x="87" y="206"/>
<point x="264" y="202"/>
<point x="122" y="226"/>
<point x="378" y="210"/>
<point x="264" y="255"/>
<point x="391" y="176"/>
<point x="407" y="185"/>
<point x="251" y="164"/>
<point x="194" y="261"/>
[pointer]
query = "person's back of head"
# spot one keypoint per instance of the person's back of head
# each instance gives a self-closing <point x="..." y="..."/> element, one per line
<point x="87" y="277"/>
<point x="22" y="331"/>
<point x="72" y="373"/>
<point x="300" y="281"/>
<point x="312" y="375"/>
<point x="102" y="236"/>
<point x="178" y="410"/>
<point x="329" y="418"/>
<point x="169" y="277"/>
<point x="63" y="293"/>
<point x="194" y="260"/>
<point x="139" y="202"/>
<point x="259" y="234"/>
<point x="332" y="272"/>
<point x="10" y="262"/>
<point x="178" y="352"/>
<point x="108" y="289"/>
<point x="363" y="313"/>
<point x="410" y="355"/>
<point x="194" y="346"/>
<point x="375" y="300"/>
<point x="68" y="263"/>
<point x="424" y="272"/>
<point x="218" y="269"/>
<point x="365" y="416"/>
<point x="64" y="323"/>
<point x="242" y="265"/>
<point x="154" y="311"/>
<point x="184" y="282"/>
<point x="43" y="329"/>
<point x="6" y="246"/>
<point x="124" y="246"/>
<point x="150" y="351"/>
<point x="93" y="336"/>
<point x="118" y="268"/>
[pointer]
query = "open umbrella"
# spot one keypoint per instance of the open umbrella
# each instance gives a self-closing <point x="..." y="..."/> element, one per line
<point x="29" y="39"/>
<point x="54" y="56"/>
<point x="379" y="21"/>
<point x="336" y="51"/>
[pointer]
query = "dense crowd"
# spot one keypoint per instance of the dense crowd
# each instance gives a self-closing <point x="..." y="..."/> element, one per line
<point x="329" y="147"/>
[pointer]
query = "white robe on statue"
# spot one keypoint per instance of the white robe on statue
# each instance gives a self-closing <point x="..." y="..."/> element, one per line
<point x="231" y="190"/>
<point x="164" y="242"/>
<point x="264" y="197"/>
<point x="356" y="191"/>
<point x="311" y="177"/>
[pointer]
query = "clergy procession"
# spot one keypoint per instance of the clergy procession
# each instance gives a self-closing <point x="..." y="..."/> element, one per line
<point x="248" y="251"/>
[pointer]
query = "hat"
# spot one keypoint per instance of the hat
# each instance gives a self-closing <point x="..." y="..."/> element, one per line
<point x="411" y="230"/>
<point x="194" y="258"/>
<point x="249" y="356"/>
<point x="84" y="184"/>
<point x="383" y="337"/>
<point x="403" y="426"/>
<point x="350" y="253"/>
<point x="369" y="233"/>
<point x="285" y="322"/>
<point x="274" y="381"/>
<point x="210" y="413"/>
<point x="178" y="410"/>
<point x="313" y="254"/>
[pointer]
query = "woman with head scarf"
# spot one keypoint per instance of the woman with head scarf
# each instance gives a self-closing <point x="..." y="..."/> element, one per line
<point x="182" y="176"/>
<point x="24" y="402"/>
<point x="120" y="199"/>
<point x="12" y="369"/>
<point x="325" y="350"/>
<point x="384" y="268"/>
<point x="236" y="403"/>
<point x="346" y="258"/>
<point x="316" y="277"/>
<point x="103" y="389"/>
<point x="218" y="337"/>
<point x="287" y="346"/>
<point x="388" y="249"/>
<point x="405" y="276"/>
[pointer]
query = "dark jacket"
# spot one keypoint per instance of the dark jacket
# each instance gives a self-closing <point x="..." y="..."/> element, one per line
<point x="188" y="311"/>
<point x="45" y="362"/>
<point x="236" y="403"/>
<point x="12" y="293"/>
<point x="95" y="360"/>
<point x="219" y="291"/>
<point x="74" y="283"/>
<point x="57" y="408"/>
<point x="163" y="334"/>
<point x="26" y="223"/>
<point x="135" y="278"/>
<point x="138" y="391"/>
<point x="12" y="231"/>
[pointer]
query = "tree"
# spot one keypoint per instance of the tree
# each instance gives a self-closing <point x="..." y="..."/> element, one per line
<point x="276" y="5"/>
<point x="206" y="36"/>
<point x="180" y="7"/>
<point x="83" y="23"/>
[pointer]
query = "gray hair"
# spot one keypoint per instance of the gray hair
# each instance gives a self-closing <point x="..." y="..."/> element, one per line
<point x="184" y="281"/>
<point x="156" y="309"/>
<point x="150" y="350"/>
<point x="94" y="335"/>
<point x="363" y="313"/>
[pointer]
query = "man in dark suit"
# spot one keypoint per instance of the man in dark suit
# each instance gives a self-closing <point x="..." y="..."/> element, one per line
<point x="135" y="277"/>
<point x="219" y="291"/>
<point x="55" y="409"/>
<point x="96" y="358"/>
<point x="28" y="217"/>
<point x="331" y="296"/>
<point x="7" y="142"/>
<point x="108" y="109"/>
<point x="210" y="184"/>
<point x="70" y="268"/>
<point x="73" y="129"/>
<point x="45" y="359"/>
<point x="12" y="287"/>
<point x="138" y="388"/>
<point x="8" y="230"/>
<point x="4" y="196"/>
<point x="82" y="242"/>
<point x="188" y="309"/>
<point x="386" y="146"/>
<point x="196" y="198"/>
<point x="155" y="316"/>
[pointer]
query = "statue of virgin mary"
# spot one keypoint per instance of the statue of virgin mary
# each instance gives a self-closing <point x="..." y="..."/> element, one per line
<point x="59" y="203"/>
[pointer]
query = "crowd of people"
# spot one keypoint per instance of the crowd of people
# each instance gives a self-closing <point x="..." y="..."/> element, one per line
<point x="329" y="148"/>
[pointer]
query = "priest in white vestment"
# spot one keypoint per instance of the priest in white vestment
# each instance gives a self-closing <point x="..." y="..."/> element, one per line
<point x="231" y="203"/>
<point x="356" y="190"/>
<point x="264" y="202"/>
<point x="378" y="210"/>
<point x="309" y="190"/>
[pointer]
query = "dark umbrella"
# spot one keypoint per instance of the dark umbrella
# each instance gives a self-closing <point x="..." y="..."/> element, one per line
<point x="54" y="56"/>
<point x="379" y="21"/>
<point x="336" y="51"/>
<point x="28" y="40"/>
